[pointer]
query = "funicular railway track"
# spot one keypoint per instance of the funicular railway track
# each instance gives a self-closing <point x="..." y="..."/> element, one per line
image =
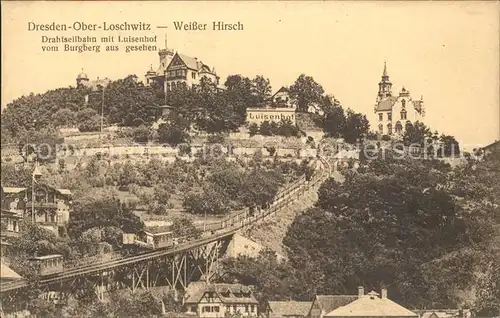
<point x="212" y="233"/>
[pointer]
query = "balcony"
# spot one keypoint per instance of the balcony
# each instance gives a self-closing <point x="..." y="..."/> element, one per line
<point x="39" y="204"/>
<point x="176" y="77"/>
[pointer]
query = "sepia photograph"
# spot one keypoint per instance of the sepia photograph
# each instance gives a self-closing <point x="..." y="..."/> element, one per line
<point x="261" y="159"/>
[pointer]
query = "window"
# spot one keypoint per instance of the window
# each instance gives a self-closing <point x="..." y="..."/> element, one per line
<point x="389" y="116"/>
<point x="234" y="308"/>
<point x="399" y="127"/>
<point x="246" y="308"/>
<point x="216" y="308"/>
<point x="403" y="103"/>
<point x="381" y="128"/>
<point x="252" y="308"/>
<point x="389" y="129"/>
<point x="380" y="116"/>
<point x="403" y="114"/>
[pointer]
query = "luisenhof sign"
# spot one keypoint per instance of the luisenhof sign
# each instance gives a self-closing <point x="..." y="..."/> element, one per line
<point x="258" y="115"/>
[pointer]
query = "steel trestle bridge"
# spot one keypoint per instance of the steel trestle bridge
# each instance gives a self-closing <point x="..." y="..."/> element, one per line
<point x="175" y="266"/>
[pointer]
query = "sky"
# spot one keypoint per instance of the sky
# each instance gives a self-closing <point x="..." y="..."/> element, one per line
<point x="446" y="51"/>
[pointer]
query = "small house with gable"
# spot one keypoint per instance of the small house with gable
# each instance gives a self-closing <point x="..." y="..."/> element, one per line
<point x="218" y="300"/>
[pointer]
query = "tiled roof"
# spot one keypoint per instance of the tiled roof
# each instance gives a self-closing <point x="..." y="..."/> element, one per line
<point x="195" y="292"/>
<point x="330" y="302"/>
<point x="371" y="306"/>
<point x="290" y="308"/>
<point x="386" y="103"/>
<point x="7" y="273"/>
<point x="190" y="62"/>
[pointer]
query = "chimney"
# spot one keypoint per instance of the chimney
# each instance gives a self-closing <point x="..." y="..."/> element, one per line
<point x="361" y="291"/>
<point x="384" y="293"/>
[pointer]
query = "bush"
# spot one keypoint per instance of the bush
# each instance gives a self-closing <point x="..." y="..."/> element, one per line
<point x="184" y="149"/>
<point x="253" y="129"/>
<point x="141" y="134"/>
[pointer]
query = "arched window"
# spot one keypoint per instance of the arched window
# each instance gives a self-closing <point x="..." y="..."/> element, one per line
<point x="389" y="129"/>
<point x="399" y="127"/>
<point x="403" y="114"/>
<point x="380" y="128"/>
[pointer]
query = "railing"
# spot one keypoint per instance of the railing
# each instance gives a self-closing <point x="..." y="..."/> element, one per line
<point x="219" y="231"/>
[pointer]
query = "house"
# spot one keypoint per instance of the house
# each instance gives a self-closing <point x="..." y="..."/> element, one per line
<point x="394" y="113"/>
<point x="323" y="304"/>
<point x="491" y="149"/>
<point x="215" y="300"/>
<point x="178" y="70"/>
<point x="371" y="305"/>
<point x="51" y="206"/>
<point x="7" y="274"/>
<point x="289" y="309"/>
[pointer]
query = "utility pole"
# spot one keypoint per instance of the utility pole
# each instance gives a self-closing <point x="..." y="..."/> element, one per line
<point x="102" y="108"/>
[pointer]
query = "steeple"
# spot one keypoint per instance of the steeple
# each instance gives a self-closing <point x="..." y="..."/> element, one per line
<point x="384" y="86"/>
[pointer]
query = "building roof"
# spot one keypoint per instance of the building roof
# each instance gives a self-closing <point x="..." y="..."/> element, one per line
<point x="386" y="104"/>
<point x="371" y="306"/>
<point x="41" y="258"/>
<point x="64" y="191"/>
<point x="197" y="290"/>
<point x="330" y="302"/>
<point x="157" y="230"/>
<point x="7" y="273"/>
<point x="492" y="145"/>
<point x="290" y="308"/>
<point x="12" y="189"/>
<point x="82" y="75"/>
<point x="190" y="62"/>
<point x="283" y="89"/>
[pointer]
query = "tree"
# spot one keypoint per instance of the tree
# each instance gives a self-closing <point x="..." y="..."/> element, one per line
<point x="388" y="222"/>
<point x="356" y="126"/>
<point x="451" y="147"/>
<point x="208" y="202"/>
<point x="184" y="227"/>
<point x="334" y="123"/>
<point x="488" y="302"/>
<point x="259" y="188"/>
<point x="253" y="129"/>
<point x="126" y="102"/>
<point x="417" y="134"/>
<point x="63" y="117"/>
<point x="141" y="134"/>
<point x="305" y="92"/>
<point x="173" y="134"/>
<point x="102" y="212"/>
<point x="261" y="88"/>
<point x="273" y="280"/>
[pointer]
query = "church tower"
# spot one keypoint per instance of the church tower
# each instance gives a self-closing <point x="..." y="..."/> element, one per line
<point x="384" y="86"/>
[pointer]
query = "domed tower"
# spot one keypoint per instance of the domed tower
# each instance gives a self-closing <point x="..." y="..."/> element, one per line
<point x="150" y="75"/>
<point x="82" y="79"/>
<point x="385" y="85"/>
